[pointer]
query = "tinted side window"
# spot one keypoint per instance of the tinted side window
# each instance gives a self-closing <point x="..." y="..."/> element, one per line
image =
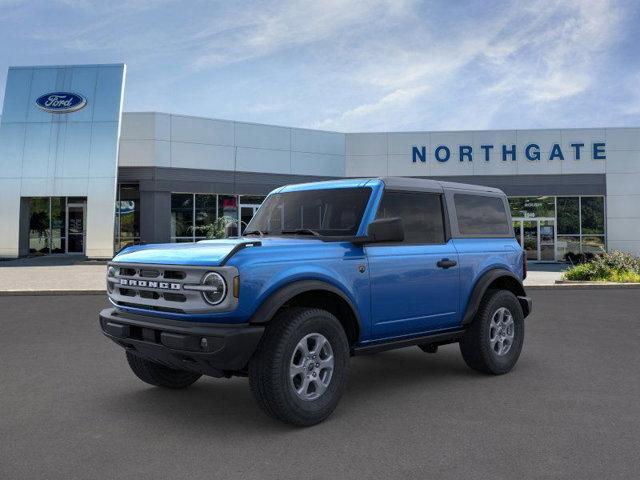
<point x="421" y="214"/>
<point x="480" y="215"/>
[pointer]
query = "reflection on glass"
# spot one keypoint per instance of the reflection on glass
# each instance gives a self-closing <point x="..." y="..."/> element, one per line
<point x="58" y="244"/>
<point x="592" y="215"/>
<point x="530" y="239"/>
<point x="182" y="215"/>
<point x="58" y="217"/>
<point x="75" y="237"/>
<point x="39" y="225"/>
<point x="517" y="230"/>
<point x="251" y="200"/>
<point x="547" y="241"/>
<point x="205" y="210"/>
<point x="228" y="207"/>
<point x="593" y="244"/>
<point x="529" y="207"/>
<point x="568" y="216"/>
<point x="567" y="244"/>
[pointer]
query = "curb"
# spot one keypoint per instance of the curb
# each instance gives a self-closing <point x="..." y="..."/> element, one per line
<point x="583" y="286"/>
<point x="22" y="293"/>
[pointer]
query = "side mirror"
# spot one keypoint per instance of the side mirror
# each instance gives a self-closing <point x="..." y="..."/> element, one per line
<point x="385" y="230"/>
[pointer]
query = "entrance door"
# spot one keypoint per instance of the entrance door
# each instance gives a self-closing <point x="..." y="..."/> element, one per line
<point x="537" y="237"/>
<point x="547" y="240"/>
<point x="75" y="227"/>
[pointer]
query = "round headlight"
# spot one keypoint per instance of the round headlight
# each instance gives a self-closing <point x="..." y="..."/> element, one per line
<point x="216" y="288"/>
<point x="111" y="272"/>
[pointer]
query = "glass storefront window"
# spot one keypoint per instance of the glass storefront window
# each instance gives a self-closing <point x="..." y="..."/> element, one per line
<point x="58" y="225"/>
<point x="182" y="215"/>
<point x="529" y="207"/>
<point x="127" y="225"/>
<point x="592" y="213"/>
<point x="205" y="213"/>
<point x="49" y="231"/>
<point x="39" y="225"/>
<point x="568" y="216"/>
<point x="228" y="207"/>
<point x="580" y="223"/>
<point x="593" y="244"/>
<point x="567" y="244"/>
<point x="192" y="211"/>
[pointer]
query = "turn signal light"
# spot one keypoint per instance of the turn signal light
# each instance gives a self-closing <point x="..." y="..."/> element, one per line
<point x="236" y="286"/>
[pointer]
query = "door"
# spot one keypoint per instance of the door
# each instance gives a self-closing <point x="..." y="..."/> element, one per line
<point x="547" y="240"/>
<point x="415" y="283"/>
<point x="75" y="227"/>
<point x="537" y="236"/>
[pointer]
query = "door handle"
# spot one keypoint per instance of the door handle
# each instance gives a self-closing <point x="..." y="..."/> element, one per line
<point x="446" y="263"/>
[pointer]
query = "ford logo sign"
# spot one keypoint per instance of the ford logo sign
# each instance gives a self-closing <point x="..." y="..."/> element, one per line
<point x="61" y="102"/>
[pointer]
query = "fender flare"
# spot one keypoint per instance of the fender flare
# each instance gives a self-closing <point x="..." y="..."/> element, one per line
<point x="481" y="287"/>
<point x="277" y="299"/>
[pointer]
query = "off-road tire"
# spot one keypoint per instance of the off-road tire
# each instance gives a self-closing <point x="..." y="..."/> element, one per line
<point x="269" y="375"/>
<point x="159" y="375"/>
<point x="475" y="344"/>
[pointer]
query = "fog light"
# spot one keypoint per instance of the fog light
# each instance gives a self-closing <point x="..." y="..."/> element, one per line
<point x="204" y="343"/>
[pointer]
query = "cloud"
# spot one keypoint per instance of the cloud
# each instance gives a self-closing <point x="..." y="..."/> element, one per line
<point x="348" y="65"/>
<point x="287" y="24"/>
<point x="534" y="55"/>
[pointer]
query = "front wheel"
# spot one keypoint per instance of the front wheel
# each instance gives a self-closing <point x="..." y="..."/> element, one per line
<point x="159" y="375"/>
<point x="493" y="342"/>
<point x="299" y="370"/>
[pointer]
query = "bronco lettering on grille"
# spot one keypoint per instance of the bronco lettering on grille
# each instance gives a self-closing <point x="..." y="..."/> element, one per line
<point x="145" y="283"/>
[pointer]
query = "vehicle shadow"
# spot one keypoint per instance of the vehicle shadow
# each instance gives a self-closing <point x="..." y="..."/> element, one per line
<point x="221" y="406"/>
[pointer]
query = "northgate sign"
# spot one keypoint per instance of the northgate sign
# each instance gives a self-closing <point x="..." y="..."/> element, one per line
<point x="531" y="152"/>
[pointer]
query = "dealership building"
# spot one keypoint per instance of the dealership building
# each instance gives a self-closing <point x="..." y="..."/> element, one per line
<point x="80" y="176"/>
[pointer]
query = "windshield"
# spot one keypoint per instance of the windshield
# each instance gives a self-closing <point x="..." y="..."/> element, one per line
<point x="326" y="212"/>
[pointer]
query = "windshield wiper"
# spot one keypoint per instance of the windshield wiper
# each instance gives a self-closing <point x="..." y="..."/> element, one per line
<point x="302" y="231"/>
<point x="254" y="232"/>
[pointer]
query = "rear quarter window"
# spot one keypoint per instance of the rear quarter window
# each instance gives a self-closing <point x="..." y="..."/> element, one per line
<point x="479" y="215"/>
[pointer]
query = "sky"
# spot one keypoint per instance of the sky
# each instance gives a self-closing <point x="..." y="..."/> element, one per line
<point x="351" y="65"/>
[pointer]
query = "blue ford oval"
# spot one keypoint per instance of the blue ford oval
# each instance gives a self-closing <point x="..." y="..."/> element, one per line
<point x="61" y="102"/>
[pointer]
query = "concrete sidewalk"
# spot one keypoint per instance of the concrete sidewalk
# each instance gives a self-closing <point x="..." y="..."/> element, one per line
<point x="60" y="275"/>
<point x="541" y="274"/>
<point x="57" y="275"/>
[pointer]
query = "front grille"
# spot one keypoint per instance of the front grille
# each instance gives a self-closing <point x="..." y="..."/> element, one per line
<point x="146" y="273"/>
<point x="161" y="288"/>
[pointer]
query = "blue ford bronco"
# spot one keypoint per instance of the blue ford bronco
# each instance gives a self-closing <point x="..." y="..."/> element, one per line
<point x="325" y="271"/>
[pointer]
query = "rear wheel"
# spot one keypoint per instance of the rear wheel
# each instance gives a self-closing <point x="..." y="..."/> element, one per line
<point x="493" y="342"/>
<point x="299" y="370"/>
<point x="159" y="375"/>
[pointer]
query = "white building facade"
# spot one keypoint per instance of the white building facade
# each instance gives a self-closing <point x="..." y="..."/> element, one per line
<point x="572" y="191"/>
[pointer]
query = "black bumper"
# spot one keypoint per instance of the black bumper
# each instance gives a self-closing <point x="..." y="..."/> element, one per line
<point x="210" y="349"/>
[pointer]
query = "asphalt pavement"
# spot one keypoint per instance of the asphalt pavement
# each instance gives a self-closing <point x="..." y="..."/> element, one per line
<point x="71" y="409"/>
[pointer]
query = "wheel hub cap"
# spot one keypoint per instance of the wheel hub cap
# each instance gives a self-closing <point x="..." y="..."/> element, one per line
<point x="311" y="366"/>
<point x="501" y="331"/>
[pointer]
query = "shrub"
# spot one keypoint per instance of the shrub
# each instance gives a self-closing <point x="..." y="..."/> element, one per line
<point x="614" y="266"/>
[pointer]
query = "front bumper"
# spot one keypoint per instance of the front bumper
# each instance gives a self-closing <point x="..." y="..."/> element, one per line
<point x="209" y="349"/>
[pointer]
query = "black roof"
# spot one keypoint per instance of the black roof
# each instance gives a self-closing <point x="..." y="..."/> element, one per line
<point x="427" y="184"/>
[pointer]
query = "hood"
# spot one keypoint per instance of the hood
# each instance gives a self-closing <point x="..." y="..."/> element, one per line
<point x="203" y="253"/>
